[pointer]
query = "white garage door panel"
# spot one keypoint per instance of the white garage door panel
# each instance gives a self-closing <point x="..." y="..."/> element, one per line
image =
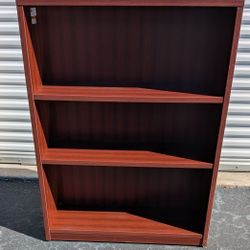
<point x="10" y="54"/>
<point x="9" y="79"/>
<point x="8" y="13"/>
<point x="16" y="144"/>
<point x="10" y="42"/>
<point x="13" y="126"/>
<point x="12" y="105"/>
<point x="9" y="28"/>
<point x="11" y="67"/>
<point x="13" y="92"/>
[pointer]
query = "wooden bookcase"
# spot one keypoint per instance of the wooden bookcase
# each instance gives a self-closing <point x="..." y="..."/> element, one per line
<point x="128" y="102"/>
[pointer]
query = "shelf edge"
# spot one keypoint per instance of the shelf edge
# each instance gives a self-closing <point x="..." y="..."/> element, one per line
<point x="121" y="94"/>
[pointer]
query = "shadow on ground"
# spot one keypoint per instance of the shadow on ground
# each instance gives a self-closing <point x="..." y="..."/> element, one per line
<point x="21" y="224"/>
<point x="20" y="208"/>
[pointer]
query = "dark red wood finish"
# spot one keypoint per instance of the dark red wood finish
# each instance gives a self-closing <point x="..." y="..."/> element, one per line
<point x="118" y="158"/>
<point x="120" y="94"/>
<point x="142" y="194"/>
<point x="135" y="47"/>
<point x="119" y="227"/>
<point x="212" y="3"/>
<point x="128" y="103"/>
<point x="32" y="79"/>
<point x="133" y="126"/>
<point x="223" y="118"/>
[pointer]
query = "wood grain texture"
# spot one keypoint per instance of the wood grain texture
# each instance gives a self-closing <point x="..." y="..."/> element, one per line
<point x="32" y="80"/>
<point x="117" y="227"/>
<point x="133" y="126"/>
<point x="176" y="197"/>
<point x="120" y="94"/>
<point x="223" y="120"/>
<point x="125" y="158"/>
<point x="128" y="104"/>
<point x="175" y="49"/>
<point x="132" y="2"/>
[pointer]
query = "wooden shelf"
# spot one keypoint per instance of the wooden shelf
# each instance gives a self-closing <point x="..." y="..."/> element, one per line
<point x="117" y="227"/>
<point x="120" y="94"/>
<point x="118" y="158"/>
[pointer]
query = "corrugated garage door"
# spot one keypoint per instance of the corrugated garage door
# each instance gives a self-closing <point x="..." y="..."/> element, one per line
<point x="16" y="145"/>
<point x="236" y="145"/>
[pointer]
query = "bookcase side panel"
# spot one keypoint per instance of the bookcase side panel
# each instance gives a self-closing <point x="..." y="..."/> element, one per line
<point x="32" y="80"/>
<point x="223" y="120"/>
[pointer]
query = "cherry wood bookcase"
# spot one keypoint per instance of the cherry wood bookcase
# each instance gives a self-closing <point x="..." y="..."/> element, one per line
<point x="128" y="102"/>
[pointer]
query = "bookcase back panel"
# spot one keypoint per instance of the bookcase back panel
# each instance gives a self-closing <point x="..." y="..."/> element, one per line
<point x="183" y="130"/>
<point x="173" y="196"/>
<point x="171" y="48"/>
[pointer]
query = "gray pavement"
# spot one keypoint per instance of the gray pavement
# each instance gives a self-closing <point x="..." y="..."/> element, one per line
<point x="21" y="225"/>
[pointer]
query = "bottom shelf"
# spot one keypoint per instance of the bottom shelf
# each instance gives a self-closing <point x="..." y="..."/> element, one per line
<point x="127" y="204"/>
<point x="117" y="227"/>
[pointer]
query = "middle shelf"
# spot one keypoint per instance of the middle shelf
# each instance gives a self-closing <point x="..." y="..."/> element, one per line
<point x="130" y="134"/>
<point x="118" y="158"/>
<point x="120" y="94"/>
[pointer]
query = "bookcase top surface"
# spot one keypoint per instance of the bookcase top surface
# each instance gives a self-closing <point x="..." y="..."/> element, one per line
<point x="215" y="3"/>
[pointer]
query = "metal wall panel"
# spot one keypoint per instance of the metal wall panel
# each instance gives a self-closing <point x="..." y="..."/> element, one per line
<point x="16" y="144"/>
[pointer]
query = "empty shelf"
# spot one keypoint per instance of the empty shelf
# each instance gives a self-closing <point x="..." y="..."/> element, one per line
<point x="118" y="158"/>
<point x="117" y="227"/>
<point x="120" y="94"/>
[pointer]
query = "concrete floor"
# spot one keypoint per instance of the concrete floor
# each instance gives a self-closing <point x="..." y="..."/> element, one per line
<point x="21" y="225"/>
